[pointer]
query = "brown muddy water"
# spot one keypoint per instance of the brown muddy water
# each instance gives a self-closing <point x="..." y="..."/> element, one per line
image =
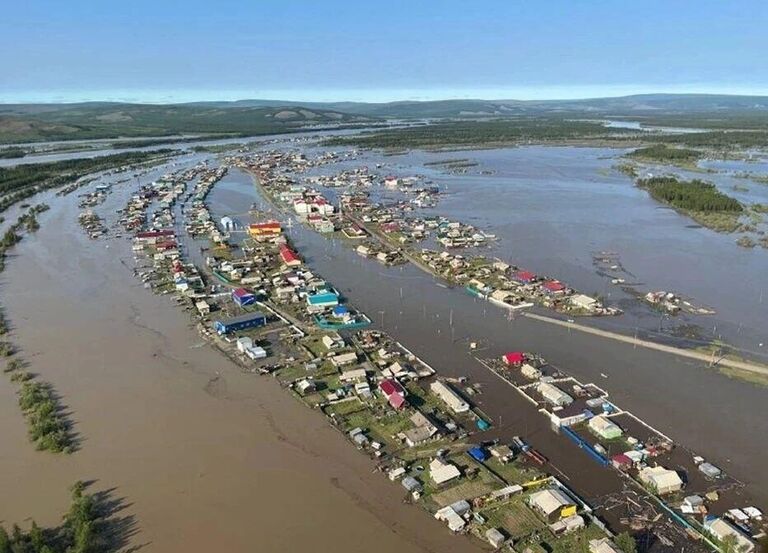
<point x="205" y="458"/>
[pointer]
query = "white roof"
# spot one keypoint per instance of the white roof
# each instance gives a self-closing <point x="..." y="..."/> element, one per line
<point x="720" y="529"/>
<point x="661" y="478"/>
<point x="441" y="471"/>
<point x="603" y="545"/>
<point x="549" y="501"/>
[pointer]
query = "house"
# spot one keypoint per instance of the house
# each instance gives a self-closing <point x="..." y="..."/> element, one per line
<point x="394" y="392"/>
<point x="604" y="427"/>
<point x="553" y="394"/>
<point x="203" y="308"/>
<point x="249" y="320"/>
<point x="580" y="301"/>
<point x="524" y="276"/>
<point x="321" y="299"/>
<point x="451" y="398"/>
<point x="662" y="480"/>
<point x="244" y="343"/>
<point x="422" y="430"/>
<point x="514" y="358"/>
<point x="529" y="371"/>
<point x="553" y="287"/>
<point x="353" y="375"/>
<point x="343" y="359"/>
<point x="454" y="515"/>
<point x="289" y="257"/>
<point x="721" y="530"/>
<point x="441" y="471"/>
<point x="603" y="545"/>
<point x="622" y="462"/>
<point x="269" y="229"/>
<point x="552" y="504"/>
<point x="243" y="297"/>
<point x="333" y="341"/>
<point x="306" y="386"/>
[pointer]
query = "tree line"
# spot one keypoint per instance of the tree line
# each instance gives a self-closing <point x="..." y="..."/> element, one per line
<point x="694" y="195"/>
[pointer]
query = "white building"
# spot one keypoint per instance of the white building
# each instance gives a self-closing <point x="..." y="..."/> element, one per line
<point x="451" y="398"/>
<point x="662" y="480"/>
<point x="442" y="471"/>
<point x="722" y="529"/>
<point x="553" y="394"/>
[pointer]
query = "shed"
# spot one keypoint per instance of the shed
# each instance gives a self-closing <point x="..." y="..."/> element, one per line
<point x="478" y="453"/>
<point x="495" y="537"/>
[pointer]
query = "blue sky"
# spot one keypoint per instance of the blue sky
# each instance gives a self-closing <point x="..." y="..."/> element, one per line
<point x="378" y="50"/>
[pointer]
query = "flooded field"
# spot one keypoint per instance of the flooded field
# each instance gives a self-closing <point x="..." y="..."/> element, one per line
<point x="205" y="458"/>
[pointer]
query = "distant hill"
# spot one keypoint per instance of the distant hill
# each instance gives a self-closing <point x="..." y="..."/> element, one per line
<point x="624" y="105"/>
<point x="35" y="122"/>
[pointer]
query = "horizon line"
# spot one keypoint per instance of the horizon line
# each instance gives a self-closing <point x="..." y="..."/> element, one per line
<point x="374" y="96"/>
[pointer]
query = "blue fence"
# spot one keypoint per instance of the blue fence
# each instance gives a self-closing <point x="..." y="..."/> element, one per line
<point x="579" y="441"/>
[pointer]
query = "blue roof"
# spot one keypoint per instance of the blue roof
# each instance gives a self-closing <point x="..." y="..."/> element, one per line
<point x="478" y="453"/>
<point x="340" y="310"/>
<point x="324" y="297"/>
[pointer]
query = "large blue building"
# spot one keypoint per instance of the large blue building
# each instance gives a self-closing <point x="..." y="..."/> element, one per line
<point x="249" y="320"/>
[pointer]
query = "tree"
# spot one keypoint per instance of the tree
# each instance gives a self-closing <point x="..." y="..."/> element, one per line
<point x="5" y="541"/>
<point x="626" y="542"/>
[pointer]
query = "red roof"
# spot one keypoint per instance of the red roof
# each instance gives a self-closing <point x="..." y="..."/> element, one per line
<point x="288" y="255"/>
<point x="155" y="234"/>
<point x="241" y="292"/>
<point x="166" y="244"/>
<point x="554" y="286"/>
<point x="621" y="459"/>
<point x="514" y="357"/>
<point x="390" y="386"/>
<point x="396" y="401"/>
<point x="267" y="225"/>
<point x="525" y="276"/>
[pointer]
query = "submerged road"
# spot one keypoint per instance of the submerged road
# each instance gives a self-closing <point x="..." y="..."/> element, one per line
<point x="690" y="354"/>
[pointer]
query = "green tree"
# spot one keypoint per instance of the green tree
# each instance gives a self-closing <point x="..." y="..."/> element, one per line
<point x="626" y="542"/>
<point x="5" y="541"/>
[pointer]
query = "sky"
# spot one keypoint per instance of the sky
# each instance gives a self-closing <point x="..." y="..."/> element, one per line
<point x="329" y="50"/>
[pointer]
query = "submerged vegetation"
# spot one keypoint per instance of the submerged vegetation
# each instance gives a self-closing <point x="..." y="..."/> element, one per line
<point x="20" y="182"/>
<point x="701" y="200"/>
<point x="48" y="428"/>
<point x="665" y="154"/>
<point x="84" y="529"/>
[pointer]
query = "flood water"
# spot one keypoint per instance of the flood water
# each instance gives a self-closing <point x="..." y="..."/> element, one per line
<point x="210" y="459"/>
<point x="205" y="457"/>
<point x="716" y="416"/>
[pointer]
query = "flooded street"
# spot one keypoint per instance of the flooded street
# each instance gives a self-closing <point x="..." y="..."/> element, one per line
<point x="206" y="458"/>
